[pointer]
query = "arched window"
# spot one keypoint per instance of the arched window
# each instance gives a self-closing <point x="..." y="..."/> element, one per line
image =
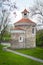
<point x="32" y="30"/>
<point x="21" y="39"/>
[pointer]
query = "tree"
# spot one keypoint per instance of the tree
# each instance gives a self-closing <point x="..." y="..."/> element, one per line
<point x="6" y="8"/>
<point x="37" y="9"/>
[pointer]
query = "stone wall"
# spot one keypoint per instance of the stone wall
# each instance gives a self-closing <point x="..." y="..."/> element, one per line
<point x="29" y="39"/>
<point x="15" y="41"/>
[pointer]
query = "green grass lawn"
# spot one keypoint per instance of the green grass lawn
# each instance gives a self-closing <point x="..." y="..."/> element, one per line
<point x="36" y="52"/>
<point x="7" y="58"/>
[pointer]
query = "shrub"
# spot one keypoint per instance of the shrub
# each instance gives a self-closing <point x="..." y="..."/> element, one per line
<point x="39" y="38"/>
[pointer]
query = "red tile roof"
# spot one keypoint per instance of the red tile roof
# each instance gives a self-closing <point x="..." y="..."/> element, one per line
<point x="17" y="28"/>
<point x="25" y="20"/>
<point x="25" y="11"/>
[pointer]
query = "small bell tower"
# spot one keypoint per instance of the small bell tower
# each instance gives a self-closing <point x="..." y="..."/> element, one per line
<point x="25" y="14"/>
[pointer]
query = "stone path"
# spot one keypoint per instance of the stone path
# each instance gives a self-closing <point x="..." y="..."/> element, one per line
<point x="24" y="55"/>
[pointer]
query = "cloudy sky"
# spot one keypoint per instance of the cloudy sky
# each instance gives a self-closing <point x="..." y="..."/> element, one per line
<point x="21" y="4"/>
<point x="24" y="3"/>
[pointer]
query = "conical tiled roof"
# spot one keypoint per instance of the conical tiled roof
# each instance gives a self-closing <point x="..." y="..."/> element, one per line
<point x="25" y="20"/>
<point x="25" y="11"/>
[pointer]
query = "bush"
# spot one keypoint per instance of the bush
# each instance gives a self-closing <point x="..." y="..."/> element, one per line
<point x="39" y="38"/>
<point x="6" y="37"/>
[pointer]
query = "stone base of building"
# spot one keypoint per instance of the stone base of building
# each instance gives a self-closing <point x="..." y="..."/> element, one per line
<point x="22" y="45"/>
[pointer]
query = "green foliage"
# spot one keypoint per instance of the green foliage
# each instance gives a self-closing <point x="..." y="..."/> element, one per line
<point x="6" y="36"/>
<point x="39" y="38"/>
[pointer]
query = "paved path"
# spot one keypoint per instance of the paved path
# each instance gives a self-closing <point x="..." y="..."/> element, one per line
<point x="24" y="55"/>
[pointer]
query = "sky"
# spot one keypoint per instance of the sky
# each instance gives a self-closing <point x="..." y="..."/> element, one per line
<point x="24" y="3"/>
<point x="21" y="4"/>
